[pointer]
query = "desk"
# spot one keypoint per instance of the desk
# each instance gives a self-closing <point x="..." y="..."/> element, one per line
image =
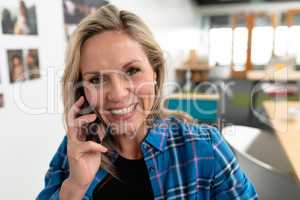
<point x="280" y="75"/>
<point x="195" y="96"/>
<point x="287" y="130"/>
<point x="256" y="76"/>
<point x="202" y="107"/>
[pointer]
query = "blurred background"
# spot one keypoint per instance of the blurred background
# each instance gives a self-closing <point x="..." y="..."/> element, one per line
<point x="234" y="64"/>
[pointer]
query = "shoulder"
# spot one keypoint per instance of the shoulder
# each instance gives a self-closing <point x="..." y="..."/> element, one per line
<point x="184" y="129"/>
<point x="182" y="132"/>
<point x="201" y="142"/>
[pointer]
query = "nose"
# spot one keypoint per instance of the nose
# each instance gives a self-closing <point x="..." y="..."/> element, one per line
<point x="119" y="90"/>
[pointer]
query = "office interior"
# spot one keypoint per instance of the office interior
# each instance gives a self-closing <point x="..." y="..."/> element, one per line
<point x="231" y="64"/>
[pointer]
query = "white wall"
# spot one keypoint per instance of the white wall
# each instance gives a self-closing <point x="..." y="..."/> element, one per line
<point x="31" y="125"/>
<point x="27" y="140"/>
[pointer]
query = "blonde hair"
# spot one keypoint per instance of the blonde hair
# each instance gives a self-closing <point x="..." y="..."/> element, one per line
<point x="109" y="18"/>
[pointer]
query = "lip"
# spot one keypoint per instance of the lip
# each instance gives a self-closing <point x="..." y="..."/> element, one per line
<point x="124" y="117"/>
<point x="120" y="107"/>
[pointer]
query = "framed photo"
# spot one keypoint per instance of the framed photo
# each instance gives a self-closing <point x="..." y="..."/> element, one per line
<point x="1" y="100"/>
<point x="32" y="63"/>
<point x="76" y="10"/>
<point x="23" y="64"/>
<point x="16" y="65"/>
<point x="18" y="17"/>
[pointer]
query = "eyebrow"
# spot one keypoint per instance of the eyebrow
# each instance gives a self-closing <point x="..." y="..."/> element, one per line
<point x="123" y="67"/>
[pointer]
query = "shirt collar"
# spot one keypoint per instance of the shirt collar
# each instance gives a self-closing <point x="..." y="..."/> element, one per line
<point x="158" y="134"/>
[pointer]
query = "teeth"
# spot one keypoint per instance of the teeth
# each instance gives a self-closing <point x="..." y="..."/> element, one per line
<point x="122" y="111"/>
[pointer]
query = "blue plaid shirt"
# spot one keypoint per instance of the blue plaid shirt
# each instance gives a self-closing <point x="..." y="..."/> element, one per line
<point x="184" y="161"/>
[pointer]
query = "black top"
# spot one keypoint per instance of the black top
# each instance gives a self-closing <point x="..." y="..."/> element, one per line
<point x="134" y="182"/>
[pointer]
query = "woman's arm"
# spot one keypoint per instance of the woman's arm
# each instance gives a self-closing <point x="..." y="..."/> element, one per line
<point x="56" y="174"/>
<point x="70" y="190"/>
<point x="230" y="182"/>
<point x="76" y="160"/>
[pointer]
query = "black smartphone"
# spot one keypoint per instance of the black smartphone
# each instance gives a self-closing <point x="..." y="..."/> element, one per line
<point x="90" y="129"/>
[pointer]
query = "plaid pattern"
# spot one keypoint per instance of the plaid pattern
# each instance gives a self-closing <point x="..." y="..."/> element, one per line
<point x="184" y="161"/>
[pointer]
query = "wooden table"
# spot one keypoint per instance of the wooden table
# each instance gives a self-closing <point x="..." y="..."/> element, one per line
<point x="280" y="75"/>
<point x="194" y="96"/>
<point x="261" y="76"/>
<point x="287" y="129"/>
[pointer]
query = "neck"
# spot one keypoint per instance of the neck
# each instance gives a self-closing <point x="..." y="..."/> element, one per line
<point x="129" y="146"/>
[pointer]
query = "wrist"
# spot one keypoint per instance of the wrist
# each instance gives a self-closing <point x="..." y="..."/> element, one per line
<point x="71" y="190"/>
<point x="75" y="185"/>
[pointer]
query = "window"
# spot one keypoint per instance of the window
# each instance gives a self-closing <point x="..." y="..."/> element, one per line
<point x="220" y="46"/>
<point x="229" y="39"/>
<point x="262" y="45"/>
<point x="240" y="42"/>
<point x="281" y="41"/>
<point x="262" y="41"/>
<point x="220" y="40"/>
<point x="294" y="42"/>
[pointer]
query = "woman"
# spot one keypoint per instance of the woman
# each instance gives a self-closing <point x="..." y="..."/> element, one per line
<point x="21" y="26"/>
<point x="17" y="69"/>
<point x="33" y="64"/>
<point x="117" y="69"/>
<point x="7" y="21"/>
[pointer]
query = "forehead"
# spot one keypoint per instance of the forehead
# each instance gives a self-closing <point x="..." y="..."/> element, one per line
<point x="110" y="50"/>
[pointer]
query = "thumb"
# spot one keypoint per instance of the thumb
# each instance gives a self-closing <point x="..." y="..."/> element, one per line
<point x="91" y="146"/>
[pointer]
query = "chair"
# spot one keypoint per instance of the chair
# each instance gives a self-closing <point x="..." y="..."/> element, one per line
<point x="262" y="158"/>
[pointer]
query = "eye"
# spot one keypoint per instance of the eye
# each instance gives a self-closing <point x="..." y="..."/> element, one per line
<point x="132" y="70"/>
<point x="96" y="80"/>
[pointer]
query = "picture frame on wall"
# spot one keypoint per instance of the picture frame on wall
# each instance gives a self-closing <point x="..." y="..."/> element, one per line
<point x="76" y="10"/>
<point x="18" y="17"/>
<point x="23" y="64"/>
<point x="16" y="65"/>
<point x="1" y="100"/>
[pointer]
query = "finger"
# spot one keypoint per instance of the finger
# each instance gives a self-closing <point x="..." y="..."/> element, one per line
<point x="75" y="108"/>
<point x="101" y="132"/>
<point x="91" y="146"/>
<point x="73" y="133"/>
<point x="82" y="136"/>
<point x="85" y="119"/>
<point x="77" y="130"/>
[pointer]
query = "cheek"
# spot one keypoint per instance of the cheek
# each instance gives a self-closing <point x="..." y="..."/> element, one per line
<point x="146" y="92"/>
<point x="94" y="99"/>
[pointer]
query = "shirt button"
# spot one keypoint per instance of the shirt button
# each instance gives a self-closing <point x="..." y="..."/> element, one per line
<point x="151" y="169"/>
<point x="146" y="147"/>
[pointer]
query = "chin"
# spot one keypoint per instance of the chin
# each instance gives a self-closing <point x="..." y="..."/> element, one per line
<point x="126" y="127"/>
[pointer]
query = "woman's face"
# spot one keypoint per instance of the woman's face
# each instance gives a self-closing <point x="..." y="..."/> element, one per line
<point x="30" y="59"/>
<point x="118" y="80"/>
<point x="16" y="61"/>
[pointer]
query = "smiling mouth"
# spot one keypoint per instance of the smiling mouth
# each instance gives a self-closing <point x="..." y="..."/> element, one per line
<point x="123" y="111"/>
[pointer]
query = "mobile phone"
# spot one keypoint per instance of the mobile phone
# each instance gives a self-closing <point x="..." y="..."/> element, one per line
<point x="90" y="129"/>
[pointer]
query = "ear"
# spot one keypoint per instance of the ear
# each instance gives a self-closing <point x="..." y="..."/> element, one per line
<point x="154" y="76"/>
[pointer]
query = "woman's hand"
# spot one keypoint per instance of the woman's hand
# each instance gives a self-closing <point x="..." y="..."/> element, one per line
<point x="84" y="156"/>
